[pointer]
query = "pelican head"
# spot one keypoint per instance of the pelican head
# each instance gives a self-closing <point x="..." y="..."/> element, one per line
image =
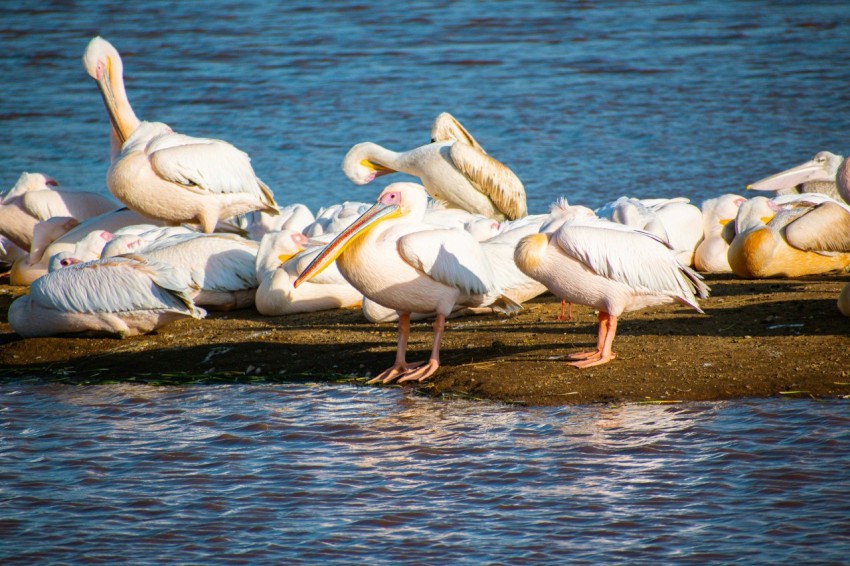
<point x="822" y="167"/>
<point x="755" y="212"/>
<point x="103" y="63"/>
<point x="361" y="164"/>
<point x="397" y="200"/>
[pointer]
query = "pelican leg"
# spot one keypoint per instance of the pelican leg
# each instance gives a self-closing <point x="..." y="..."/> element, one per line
<point x="564" y="315"/>
<point x="603" y="353"/>
<point x="400" y="366"/>
<point x="427" y="370"/>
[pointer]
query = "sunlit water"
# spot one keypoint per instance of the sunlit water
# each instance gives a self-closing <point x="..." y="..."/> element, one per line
<point x="585" y="100"/>
<point x="322" y="473"/>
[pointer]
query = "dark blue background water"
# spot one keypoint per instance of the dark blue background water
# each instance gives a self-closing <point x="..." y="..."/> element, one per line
<point x="586" y="100"/>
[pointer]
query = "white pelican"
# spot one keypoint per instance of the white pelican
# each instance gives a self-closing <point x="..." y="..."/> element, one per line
<point x="674" y="220"/>
<point x="790" y="241"/>
<point x="393" y="259"/>
<point x="168" y="176"/>
<point x="278" y="262"/>
<point x="334" y="218"/>
<point x="814" y="176"/>
<point x="718" y="226"/>
<point x="453" y="168"/>
<point x="609" y="266"/>
<point x="257" y="223"/>
<point x="36" y="262"/>
<point x="34" y="198"/>
<point x="220" y="266"/>
<point x="133" y="296"/>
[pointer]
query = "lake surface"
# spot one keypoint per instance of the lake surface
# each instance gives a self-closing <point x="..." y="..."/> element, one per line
<point x="322" y="473"/>
<point x="588" y="100"/>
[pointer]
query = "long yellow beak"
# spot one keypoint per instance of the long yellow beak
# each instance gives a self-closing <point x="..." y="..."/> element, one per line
<point x="376" y="214"/>
<point x="104" y="85"/>
<point x="376" y="167"/>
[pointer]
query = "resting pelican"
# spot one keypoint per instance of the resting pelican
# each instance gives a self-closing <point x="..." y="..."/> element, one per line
<point x="453" y="168"/>
<point x="34" y="198"/>
<point x="133" y="296"/>
<point x="790" y="241"/>
<point x="611" y="267"/>
<point x="278" y="261"/>
<point x="393" y="259"/>
<point x="220" y="266"/>
<point x="36" y="263"/>
<point x="168" y="176"/>
<point x="718" y="226"/>
<point x="257" y="223"/>
<point x="334" y="218"/>
<point x="814" y="176"/>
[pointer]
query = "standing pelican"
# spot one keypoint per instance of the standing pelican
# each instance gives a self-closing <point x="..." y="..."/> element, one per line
<point x="814" y="176"/>
<point x="393" y="259"/>
<point x="611" y="267"/>
<point x="453" y="168"/>
<point x="168" y="176"/>
<point x="278" y="261"/>
<point x="133" y="296"/>
<point x="790" y="241"/>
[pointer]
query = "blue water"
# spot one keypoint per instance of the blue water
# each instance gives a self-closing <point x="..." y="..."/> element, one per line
<point x="589" y="100"/>
<point x="346" y="474"/>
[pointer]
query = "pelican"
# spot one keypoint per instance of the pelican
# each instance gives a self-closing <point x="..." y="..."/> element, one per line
<point x="168" y="176"/>
<point x="718" y="226"/>
<point x="34" y="198"/>
<point x="453" y="168"/>
<point x="611" y="267"/>
<point x="219" y="266"/>
<point x="393" y="259"/>
<point x="674" y="220"/>
<point x="35" y="265"/>
<point x="814" y="176"/>
<point x="281" y="256"/>
<point x="257" y="223"/>
<point x="133" y="296"/>
<point x="334" y="218"/>
<point x="792" y="241"/>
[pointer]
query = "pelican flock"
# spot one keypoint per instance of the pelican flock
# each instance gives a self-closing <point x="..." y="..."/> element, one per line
<point x="461" y="243"/>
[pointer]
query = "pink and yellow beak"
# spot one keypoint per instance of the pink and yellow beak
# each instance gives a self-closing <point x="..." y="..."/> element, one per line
<point x="368" y="220"/>
<point x="808" y="171"/>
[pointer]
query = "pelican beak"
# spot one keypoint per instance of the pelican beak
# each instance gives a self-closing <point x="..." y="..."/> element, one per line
<point x="725" y="221"/>
<point x="368" y="220"/>
<point x="283" y="258"/>
<point x="808" y="171"/>
<point x="104" y="85"/>
<point x="376" y="168"/>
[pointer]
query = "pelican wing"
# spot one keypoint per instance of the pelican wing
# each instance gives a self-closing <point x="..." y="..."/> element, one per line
<point x="117" y="284"/>
<point x="824" y="228"/>
<point x="447" y="128"/>
<point x="452" y="257"/>
<point x="215" y="262"/>
<point x="204" y="165"/>
<point x="78" y="204"/>
<point x="633" y="257"/>
<point x="491" y="178"/>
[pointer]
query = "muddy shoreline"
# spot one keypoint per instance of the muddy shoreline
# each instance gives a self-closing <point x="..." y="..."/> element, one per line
<point x="758" y="338"/>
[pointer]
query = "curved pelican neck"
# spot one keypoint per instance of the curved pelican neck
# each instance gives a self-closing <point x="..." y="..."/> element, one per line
<point x="110" y="82"/>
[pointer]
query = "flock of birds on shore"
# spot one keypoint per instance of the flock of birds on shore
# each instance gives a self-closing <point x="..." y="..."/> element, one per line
<point x="196" y="229"/>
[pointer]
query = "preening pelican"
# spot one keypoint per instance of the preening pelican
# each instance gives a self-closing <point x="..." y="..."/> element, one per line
<point x="453" y="168"/>
<point x="718" y="226"/>
<point x="611" y="267"/>
<point x="790" y="241"/>
<point x="34" y="198"/>
<point x="393" y="259"/>
<point x="278" y="261"/>
<point x="134" y="296"/>
<point x="168" y="176"/>
<point x="814" y="176"/>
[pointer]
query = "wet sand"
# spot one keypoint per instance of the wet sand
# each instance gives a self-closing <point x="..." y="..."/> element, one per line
<point x="759" y="338"/>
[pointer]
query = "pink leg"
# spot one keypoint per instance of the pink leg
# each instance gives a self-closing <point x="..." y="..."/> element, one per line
<point x="603" y="353"/>
<point x="426" y="371"/>
<point x="400" y="366"/>
<point x="564" y="315"/>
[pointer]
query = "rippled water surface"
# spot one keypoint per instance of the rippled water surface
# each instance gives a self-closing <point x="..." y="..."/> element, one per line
<point x="589" y="100"/>
<point x="350" y="474"/>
